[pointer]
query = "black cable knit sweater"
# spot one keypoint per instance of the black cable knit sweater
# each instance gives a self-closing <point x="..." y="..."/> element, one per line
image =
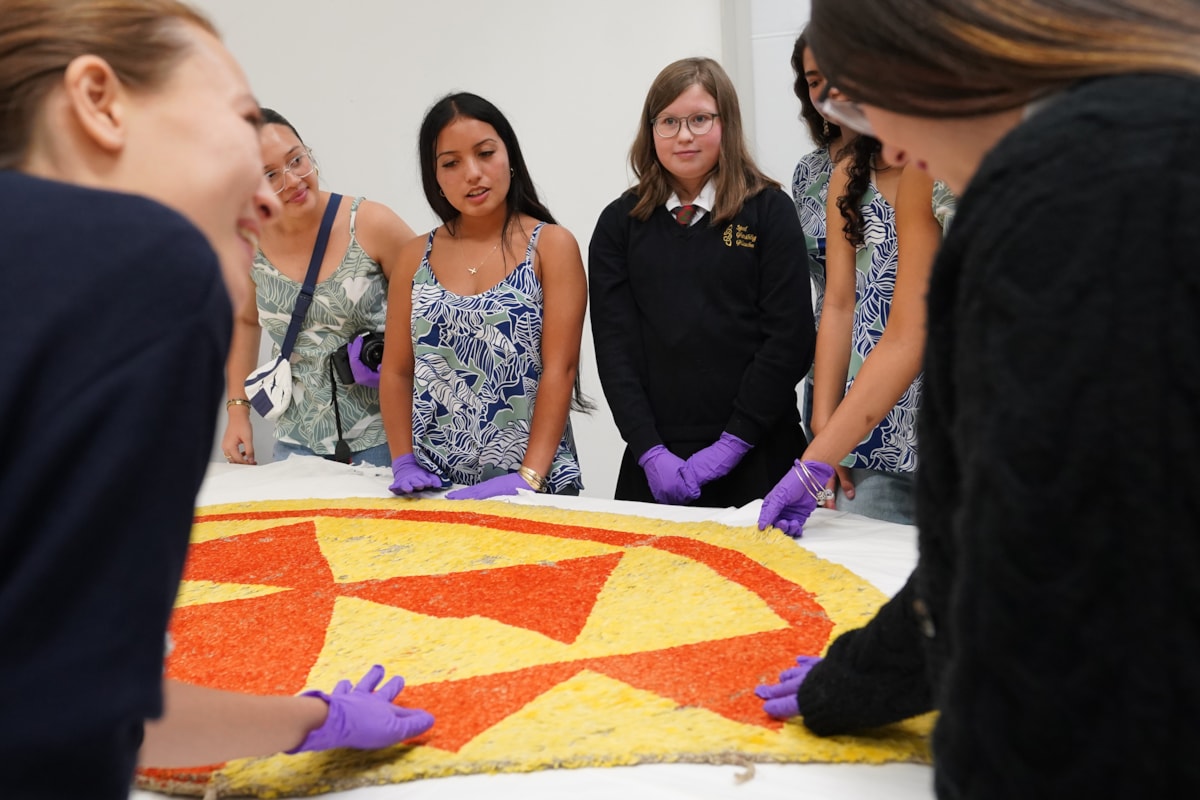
<point x="1054" y="616"/>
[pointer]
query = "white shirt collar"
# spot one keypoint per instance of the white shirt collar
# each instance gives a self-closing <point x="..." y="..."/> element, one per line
<point x="703" y="202"/>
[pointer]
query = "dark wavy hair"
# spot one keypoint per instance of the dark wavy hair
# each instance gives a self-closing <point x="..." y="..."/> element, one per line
<point x="823" y="131"/>
<point x="863" y="151"/>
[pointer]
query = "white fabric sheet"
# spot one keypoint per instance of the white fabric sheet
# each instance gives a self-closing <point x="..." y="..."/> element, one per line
<point x="880" y="552"/>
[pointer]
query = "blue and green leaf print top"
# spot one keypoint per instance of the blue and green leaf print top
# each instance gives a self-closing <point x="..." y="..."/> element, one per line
<point x="892" y="445"/>
<point x="352" y="299"/>
<point x="477" y="362"/>
<point x="810" y="187"/>
<point x="944" y="206"/>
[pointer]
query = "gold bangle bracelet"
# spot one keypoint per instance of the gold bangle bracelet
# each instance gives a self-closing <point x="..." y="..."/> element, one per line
<point x="236" y="401"/>
<point x="535" y="481"/>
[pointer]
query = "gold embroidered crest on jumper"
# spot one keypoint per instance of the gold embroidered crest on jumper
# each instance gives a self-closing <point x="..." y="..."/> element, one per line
<point x="744" y="238"/>
<point x="727" y="236"/>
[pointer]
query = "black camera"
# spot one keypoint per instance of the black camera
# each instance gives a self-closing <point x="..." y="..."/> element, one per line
<point x="371" y="355"/>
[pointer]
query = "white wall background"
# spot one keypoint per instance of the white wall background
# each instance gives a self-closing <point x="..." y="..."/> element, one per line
<point x="780" y="137"/>
<point x="356" y="77"/>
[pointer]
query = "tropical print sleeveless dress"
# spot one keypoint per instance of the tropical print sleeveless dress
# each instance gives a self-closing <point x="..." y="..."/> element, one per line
<point x="892" y="445"/>
<point x="810" y="186"/>
<point x="352" y="299"/>
<point x="477" y="362"/>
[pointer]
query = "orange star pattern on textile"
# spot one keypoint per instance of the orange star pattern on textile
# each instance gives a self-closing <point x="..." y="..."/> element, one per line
<point x="552" y="599"/>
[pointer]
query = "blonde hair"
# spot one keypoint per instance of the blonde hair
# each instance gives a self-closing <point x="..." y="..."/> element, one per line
<point x="142" y="40"/>
<point x="737" y="177"/>
<point x="947" y="58"/>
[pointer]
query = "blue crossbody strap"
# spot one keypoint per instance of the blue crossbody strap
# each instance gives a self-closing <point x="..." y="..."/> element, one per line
<point x="304" y="299"/>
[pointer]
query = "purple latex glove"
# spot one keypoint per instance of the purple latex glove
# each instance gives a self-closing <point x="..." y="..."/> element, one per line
<point x="363" y="375"/>
<point x="665" y="474"/>
<point x="781" y="700"/>
<point x="716" y="460"/>
<point x="492" y="487"/>
<point x="409" y="476"/>
<point x="790" y="503"/>
<point x="365" y="718"/>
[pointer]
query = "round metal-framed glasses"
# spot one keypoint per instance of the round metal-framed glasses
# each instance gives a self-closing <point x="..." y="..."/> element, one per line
<point x="699" y="124"/>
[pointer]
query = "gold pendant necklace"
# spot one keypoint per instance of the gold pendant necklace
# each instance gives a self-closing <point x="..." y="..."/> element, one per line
<point x="491" y="252"/>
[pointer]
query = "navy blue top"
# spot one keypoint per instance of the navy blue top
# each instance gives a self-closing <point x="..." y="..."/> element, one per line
<point x="117" y="324"/>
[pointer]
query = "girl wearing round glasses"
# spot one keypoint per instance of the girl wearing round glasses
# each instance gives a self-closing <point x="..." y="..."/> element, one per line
<point x="701" y="307"/>
<point x="1055" y="595"/>
<point x="350" y="302"/>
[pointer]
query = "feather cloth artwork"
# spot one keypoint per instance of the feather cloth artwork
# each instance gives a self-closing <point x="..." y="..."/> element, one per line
<point x="537" y="637"/>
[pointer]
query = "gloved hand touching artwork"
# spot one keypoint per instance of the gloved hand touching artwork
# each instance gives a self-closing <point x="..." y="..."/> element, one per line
<point x="665" y="474"/>
<point x="409" y="476"/>
<point x="365" y="718"/>
<point x="781" y="698"/>
<point x="716" y="460"/>
<point x="789" y="505"/>
<point x="492" y="487"/>
<point x="363" y="375"/>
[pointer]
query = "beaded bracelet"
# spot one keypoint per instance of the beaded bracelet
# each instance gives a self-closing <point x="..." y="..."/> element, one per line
<point x="535" y="481"/>
<point x="236" y="401"/>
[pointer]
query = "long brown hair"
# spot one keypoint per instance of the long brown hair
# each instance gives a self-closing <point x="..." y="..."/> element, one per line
<point x="142" y="40"/>
<point x="737" y="176"/>
<point x="951" y="58"/>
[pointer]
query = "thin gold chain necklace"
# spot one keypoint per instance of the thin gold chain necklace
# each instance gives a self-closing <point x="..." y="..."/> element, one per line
<point x="473" y="270"/>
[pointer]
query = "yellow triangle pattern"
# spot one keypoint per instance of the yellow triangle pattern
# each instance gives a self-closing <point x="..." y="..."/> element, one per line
<point x="374" y="549"/>
<point x="603" y="711"/>
<point x="655" y="599"/>
<point x="208" y="531"/>
<point x="425" y="649"/>
<point x="195" y="593"/>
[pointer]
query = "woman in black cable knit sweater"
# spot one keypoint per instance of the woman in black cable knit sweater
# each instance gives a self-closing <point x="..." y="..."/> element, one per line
<point x="1054" y="616"/>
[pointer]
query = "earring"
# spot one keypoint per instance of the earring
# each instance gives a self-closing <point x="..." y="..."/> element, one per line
<point x="825" y="127"/>
<point x="443" y="194"/>
<point x="511" y="172"/>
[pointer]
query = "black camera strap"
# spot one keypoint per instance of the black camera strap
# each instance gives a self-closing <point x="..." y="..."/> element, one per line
<point x="304" y="299"/>
<point x="341" y="452"/>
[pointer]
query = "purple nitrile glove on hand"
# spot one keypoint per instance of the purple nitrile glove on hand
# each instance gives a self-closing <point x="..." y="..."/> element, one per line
<point x="716" y="460"/>
<point x="409" y="476"/>
<point x="365" y="718"/>
<point x="492" y="487"/>
<point x="789" y="505"/>
<point x="781" y="700"/>
<point x="665" y="474"/>
<point x="363" y="375"/>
